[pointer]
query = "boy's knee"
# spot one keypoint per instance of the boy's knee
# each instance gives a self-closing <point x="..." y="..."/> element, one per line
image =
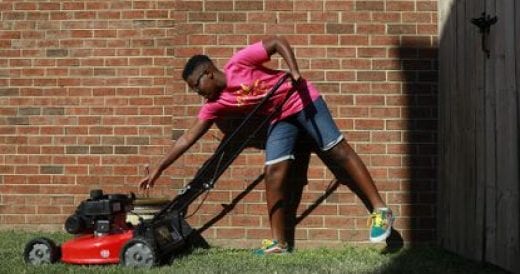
<point x="275" y="174"/>
<point x="342" y="152"/>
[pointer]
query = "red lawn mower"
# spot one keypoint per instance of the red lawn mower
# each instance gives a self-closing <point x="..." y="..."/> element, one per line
<point x="104" y="237"/>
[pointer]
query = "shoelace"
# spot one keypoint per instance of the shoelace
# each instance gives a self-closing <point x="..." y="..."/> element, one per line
<point x="376" y="219"/>
<point x="266" y="244"/>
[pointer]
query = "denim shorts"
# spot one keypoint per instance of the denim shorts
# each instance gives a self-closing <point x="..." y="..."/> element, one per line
<point x="315" y="120"/>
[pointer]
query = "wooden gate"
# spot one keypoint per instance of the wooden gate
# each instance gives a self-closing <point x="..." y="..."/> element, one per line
<point x="479" y="121"/>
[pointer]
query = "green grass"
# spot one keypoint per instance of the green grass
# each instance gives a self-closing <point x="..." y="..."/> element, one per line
<point x="349" y="259"/>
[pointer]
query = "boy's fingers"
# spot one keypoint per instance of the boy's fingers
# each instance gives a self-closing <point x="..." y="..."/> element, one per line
<point x="144" y="183"/>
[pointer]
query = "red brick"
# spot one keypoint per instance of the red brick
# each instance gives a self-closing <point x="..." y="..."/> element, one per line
<point x="245" y="220"/>
<point x="387" y="136"/>
<point x="292" y="17"/>
<point x="400" y="6"/>
<point x="231" y="233"/>
<point x="369" y="5"/>
<point x="386" y="17"/>
<point x="13" y="219"/>
<point x="279" y="28"/>
<point x="371" y="52"/>
<point x="355" y="64"/>
<point x="340" y="76"/>
<point x="369" y="124"/>
<point x="202" y="16"/>
<point x="309" y="28"/>
<point x="218" y="5"/>
<point x="25" y="6"/>
<point x="385" y="112"/>
<point x="279" y="5"/>
<point x="417" y="17"/>
<point x="402" y="29"/>
<point x="324" y="39"/>
<point x="325" y="16"/>
<point x="339" y="5"/>
<point x="427" y="5"/>
<point x="386" y="64"/>
<point x="353" y="40"/>
<point x="427" y="29"/>
<point x="353" y="111"/>
<point x="340" y="28"/>
<point x="370" y="29"/>
<point x="371" y="76"/>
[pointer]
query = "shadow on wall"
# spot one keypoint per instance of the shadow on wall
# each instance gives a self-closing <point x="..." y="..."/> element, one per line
<point x="419" y="76"/>
<point x="419" y="65"/>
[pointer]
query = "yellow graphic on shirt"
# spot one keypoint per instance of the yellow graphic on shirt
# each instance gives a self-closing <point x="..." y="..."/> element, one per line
<point x="248" y="91"/>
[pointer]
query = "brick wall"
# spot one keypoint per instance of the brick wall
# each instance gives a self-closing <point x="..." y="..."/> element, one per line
<point x="91" y="92"/>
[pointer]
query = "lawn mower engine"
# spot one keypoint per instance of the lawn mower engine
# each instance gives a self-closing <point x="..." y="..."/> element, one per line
<point x="101" y="214"/>
<point x="104" y="237"/>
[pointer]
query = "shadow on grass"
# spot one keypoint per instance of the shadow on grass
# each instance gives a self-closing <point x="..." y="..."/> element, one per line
<point x="428" y="259"/>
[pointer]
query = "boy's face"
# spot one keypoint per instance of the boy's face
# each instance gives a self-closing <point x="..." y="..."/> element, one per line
<point x="203" y="81"/>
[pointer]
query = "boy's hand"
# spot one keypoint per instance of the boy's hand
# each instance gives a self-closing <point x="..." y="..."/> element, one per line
<point x="149" y="181"/>
<point x="146" y="183"/>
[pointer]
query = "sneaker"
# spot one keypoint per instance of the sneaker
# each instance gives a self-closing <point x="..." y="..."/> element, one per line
<point x="381" y="224"/>
<point x="271" y="247"/>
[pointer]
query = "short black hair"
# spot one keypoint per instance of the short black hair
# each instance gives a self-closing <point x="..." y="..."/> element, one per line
<point x="194" y="62"/>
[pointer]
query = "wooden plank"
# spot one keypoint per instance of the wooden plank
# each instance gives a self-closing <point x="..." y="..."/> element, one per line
<point x="507" y="138"/>
<point x="444" y="38"/>
<point x="441" y="22"/>
<point x="490" y="112"/>
<point x="452" y="48"/>
<point x="499" y="74"/>
<point x="516" y="266"/>
<point x="467" y="133"/>
<point x="451" y="168"/>
<point x="446" y="80"/>
<point x="472" y="52"/>
<point x="459" y="201"/>
<point x="480" y="159"/>
<point x="451" y="145"/>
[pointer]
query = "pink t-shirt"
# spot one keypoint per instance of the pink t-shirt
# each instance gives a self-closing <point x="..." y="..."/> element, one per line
<point x="248" y="81"/>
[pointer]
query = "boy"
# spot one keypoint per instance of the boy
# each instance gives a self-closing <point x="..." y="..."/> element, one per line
<point x="238" y="88"/>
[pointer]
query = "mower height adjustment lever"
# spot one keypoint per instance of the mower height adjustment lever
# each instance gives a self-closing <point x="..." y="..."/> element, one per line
<point x="184" y="190"/>
<point x="205" y="186"/>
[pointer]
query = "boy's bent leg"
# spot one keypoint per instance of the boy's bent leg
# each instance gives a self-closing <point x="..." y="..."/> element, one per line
<point x="317" y="121"/>
<point x="381" y="217"/>
<point x="345" y="157"/>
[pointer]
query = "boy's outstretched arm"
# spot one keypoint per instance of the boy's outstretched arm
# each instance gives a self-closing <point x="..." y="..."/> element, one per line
<point x="280" y="45"/>
<point x="178" y="148"/>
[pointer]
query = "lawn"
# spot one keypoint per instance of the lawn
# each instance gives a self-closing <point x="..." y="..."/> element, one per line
<point x="349" y="259"/>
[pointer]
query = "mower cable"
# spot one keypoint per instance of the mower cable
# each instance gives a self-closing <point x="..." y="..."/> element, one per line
<point x="199" y="206"/>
